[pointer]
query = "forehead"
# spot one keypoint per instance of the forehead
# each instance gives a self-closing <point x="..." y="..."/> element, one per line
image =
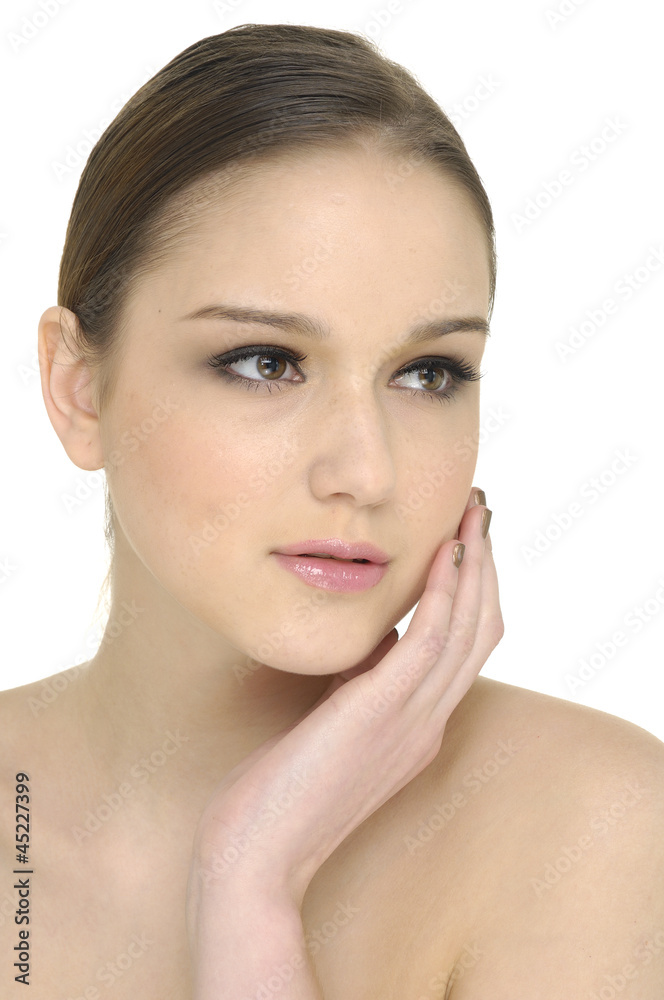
<point x="331" y="228"/>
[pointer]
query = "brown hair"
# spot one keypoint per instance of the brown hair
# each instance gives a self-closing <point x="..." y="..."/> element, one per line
<point x="224" y="102"/>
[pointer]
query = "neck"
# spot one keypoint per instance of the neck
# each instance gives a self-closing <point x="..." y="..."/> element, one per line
<point x="169" y="697"/>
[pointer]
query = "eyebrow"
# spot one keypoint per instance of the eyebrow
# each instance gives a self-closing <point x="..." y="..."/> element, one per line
<point x="307" y="326"/>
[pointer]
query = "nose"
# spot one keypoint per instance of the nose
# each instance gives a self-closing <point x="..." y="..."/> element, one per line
<point x="351" y="450"/>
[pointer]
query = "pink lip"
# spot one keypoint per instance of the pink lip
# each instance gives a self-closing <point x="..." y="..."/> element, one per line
<point x="336" y="547"/>
<point x="330" y="574"/>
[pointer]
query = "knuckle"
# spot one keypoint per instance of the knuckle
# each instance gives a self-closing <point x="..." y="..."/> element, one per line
<point x="431" y="751"/>
<point x="344" y="702"/>
<point x="495" y="628"/>
<point x="466" y="643"/>
<point x="431" y="646"/>
<point x="464" y="630"/>
<point x="425" y="743"/>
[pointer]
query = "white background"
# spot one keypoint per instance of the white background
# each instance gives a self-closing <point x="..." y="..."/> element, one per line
<point x="556" y="81"/>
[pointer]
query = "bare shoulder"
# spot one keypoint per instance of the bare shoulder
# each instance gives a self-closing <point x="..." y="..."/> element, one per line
<point x="33" y="730"/>
<point x="544" y="757"/>
<point x="555" y="814"/>
<point x="20" y="725"/>
<point x="551" y="717"/>
<point x="557" y="747"/>
<point x="27" y="711"/>
<point x="16" y="736"/>
<point x="19" y="734"/>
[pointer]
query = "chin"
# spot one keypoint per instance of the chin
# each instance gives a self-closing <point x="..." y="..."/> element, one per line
<point x="320" y="654"/>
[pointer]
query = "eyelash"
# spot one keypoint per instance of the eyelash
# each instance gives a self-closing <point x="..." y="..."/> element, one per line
<point x="460" y="371"/>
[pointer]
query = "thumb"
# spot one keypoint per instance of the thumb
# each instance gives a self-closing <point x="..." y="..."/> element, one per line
<point x="338" y="680"/>
<point x="376" y="655"/>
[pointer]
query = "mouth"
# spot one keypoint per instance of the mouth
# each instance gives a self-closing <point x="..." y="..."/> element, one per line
<point x="337" y="550"/>
<point x="322" y="555"/>
<point x="325" y="571"/>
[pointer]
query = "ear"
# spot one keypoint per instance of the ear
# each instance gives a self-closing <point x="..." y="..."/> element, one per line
<point x="66" y="383"/>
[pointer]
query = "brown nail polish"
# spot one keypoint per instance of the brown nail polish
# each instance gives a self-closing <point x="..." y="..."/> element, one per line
<point x="480" y="497"/>
<point x="457" y="554"/>
<point x="486" y="521"/>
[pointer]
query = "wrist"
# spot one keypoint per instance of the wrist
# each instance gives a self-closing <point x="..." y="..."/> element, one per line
<point x="241" y="937"/>
<point x="231" y="872"/>
<point x="221" y="889"/>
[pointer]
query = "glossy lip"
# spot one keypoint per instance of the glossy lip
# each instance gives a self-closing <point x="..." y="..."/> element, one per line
<point x="336" y="575"/>
<point x="336" y="547"/>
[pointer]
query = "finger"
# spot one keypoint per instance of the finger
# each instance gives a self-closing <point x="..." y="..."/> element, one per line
<point x="382" y="649"/>
<point x="449" y="634"/>
<point x="476" y="496"/>
<point x="421" y="644"/>
<point x="489" y="630"/>
<point x="341" y="679"/>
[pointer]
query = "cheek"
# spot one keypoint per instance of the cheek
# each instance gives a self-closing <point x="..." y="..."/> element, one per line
<point x="436" y="477"/>
<point x="194" y="489"/>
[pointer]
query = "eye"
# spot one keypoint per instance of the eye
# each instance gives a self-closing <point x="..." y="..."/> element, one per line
<point x="258" y="362"/>
<point x="427" y="377"/>
<point x="443" y="377"/>
<point x="265" y="366"/>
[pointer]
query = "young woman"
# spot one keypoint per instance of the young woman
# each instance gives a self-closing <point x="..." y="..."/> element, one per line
<point x="273" y="303"/>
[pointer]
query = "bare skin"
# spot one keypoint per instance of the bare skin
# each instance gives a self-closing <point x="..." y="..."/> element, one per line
<point x="182" y="669"/>
<point x="434" y="888"/>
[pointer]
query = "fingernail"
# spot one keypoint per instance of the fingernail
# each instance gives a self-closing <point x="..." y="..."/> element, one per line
<point x="480" y="497"/>
<point x="457" y="554"/>
<point x="486" y="521"/>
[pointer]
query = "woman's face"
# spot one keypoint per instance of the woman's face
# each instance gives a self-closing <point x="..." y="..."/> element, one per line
<point x="209" y="477"/>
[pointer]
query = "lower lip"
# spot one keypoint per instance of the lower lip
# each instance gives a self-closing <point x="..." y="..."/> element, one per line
<point x="333" y="574"/>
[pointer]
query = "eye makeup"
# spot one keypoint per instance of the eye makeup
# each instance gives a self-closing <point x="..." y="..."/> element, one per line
<point x="457" y="372"/>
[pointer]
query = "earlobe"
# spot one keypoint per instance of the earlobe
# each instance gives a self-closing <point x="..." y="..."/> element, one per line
<point x="66" y="383"/>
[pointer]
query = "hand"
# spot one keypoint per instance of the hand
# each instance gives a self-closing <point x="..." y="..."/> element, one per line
<point x="277" y="816"/>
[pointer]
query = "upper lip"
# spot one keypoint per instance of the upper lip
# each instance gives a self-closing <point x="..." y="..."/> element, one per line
<point x="336" y="547"/>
